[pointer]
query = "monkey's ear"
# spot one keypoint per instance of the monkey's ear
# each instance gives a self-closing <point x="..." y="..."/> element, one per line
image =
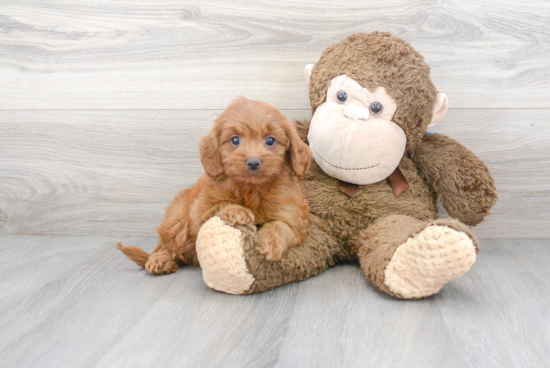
<point x="440" y="108"/>
<point x="299" y="152"/>
<point x="309" y="68"/>
<point x="211" y="158"/>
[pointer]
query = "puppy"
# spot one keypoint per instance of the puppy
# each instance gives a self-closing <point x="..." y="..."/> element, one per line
<point x="252" y="158"/>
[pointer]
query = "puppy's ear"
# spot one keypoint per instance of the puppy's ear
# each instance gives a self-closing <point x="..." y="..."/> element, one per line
<point x="211" y="158"/>
<point x="298" y="151"/>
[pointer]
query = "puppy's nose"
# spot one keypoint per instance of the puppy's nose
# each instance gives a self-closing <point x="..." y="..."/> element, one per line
<point x="253" y="163"/>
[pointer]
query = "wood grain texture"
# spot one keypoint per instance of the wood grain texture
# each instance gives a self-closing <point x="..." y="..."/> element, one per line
<point x="70" y="301"/>
<point x="114" y="172"/>
<point x="351" y="324"/>
<point x="206" y="328"/>
<point x="506" y="298"/>
<point x="170" y="54"/>
<point x="71" y="309"/>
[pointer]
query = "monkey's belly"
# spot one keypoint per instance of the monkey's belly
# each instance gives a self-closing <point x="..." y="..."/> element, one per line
<point x="347" y="216"/>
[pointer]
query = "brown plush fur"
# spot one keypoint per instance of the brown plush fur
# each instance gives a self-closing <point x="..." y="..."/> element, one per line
<point x="373" y="224"/>
<point x="316" y="254"/>
<point x="460" y="179"/>
<point x="269" y="196"/>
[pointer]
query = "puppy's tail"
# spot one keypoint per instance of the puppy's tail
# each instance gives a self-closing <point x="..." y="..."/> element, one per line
<point x="136" y="254"/>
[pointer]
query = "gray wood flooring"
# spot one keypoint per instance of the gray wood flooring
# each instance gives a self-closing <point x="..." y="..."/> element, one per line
<point x="74" y="301"/>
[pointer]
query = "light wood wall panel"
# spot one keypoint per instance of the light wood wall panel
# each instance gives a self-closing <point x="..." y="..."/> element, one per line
<point x="102" y="103"/>
<point x="173" y="54"/>
<point x="115" y="171"/>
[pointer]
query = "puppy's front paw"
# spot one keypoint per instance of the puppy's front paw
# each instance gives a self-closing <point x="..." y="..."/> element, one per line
<point x="272" y="246"/>
<point x="234" y="214"/>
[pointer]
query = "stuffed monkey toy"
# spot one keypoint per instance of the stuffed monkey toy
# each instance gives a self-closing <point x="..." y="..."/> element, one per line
<point x="373" y="184"/>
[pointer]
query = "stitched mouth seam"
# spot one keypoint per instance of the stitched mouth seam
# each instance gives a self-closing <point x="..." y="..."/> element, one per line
<point x="343" y="168"/>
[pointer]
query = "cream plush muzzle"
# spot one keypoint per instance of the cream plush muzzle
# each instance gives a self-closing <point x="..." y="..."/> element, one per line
<point x="351" y="143"/>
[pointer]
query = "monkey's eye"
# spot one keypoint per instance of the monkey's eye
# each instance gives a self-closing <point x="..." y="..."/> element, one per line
<point x="270" y="141"/>
<point x="375" y="108"/>
<point x="235" y="140"/>
<point x="342" y="96"/>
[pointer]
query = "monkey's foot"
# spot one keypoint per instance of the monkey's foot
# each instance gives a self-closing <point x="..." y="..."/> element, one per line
<point x="427" y="261"/>
<point x="221" y="257"/>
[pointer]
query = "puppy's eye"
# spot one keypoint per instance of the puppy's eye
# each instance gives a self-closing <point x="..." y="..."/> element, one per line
<point x="342" y="96"/>
<point x="375" y="108"/>
<point x="270" y="141"/>
<point x="235" y="140"/>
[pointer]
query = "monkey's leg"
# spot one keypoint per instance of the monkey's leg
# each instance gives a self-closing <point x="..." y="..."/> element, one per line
<point x="412" y="259"/>
<point x="231" y="261"/>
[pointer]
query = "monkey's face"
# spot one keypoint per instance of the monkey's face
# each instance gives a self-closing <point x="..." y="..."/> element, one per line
<point x="352" y="136"/>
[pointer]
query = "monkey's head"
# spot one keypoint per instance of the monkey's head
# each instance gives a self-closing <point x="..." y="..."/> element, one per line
<point x="372" y="100"/>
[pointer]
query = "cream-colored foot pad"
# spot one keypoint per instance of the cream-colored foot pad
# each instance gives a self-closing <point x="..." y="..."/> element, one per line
<point x="221" y="256"/>
<point x="422" y="265"/>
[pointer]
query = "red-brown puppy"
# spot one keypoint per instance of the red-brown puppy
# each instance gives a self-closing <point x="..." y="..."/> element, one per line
<point x="251" y="157"/>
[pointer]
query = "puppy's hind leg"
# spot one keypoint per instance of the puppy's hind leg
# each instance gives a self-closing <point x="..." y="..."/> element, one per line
<point x="173" y="236"/>
<point x="158" y="263"/>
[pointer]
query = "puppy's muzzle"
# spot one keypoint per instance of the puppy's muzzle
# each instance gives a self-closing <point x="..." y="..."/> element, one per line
<point x="253" y="163"/>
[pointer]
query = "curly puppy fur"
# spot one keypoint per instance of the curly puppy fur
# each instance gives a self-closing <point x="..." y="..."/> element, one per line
<point x="269" y="196"/>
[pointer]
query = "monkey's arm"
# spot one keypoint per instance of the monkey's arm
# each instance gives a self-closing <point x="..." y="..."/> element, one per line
<point x="462" y="181"/>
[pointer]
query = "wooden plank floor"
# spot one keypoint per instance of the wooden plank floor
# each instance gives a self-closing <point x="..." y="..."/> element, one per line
<point x="74" y="301"/>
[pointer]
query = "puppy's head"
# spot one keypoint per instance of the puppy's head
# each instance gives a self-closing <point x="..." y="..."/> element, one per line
<point x="252" y="142"/>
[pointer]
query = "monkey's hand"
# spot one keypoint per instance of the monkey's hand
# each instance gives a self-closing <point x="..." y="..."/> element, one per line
<point x="462" y="181"/>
